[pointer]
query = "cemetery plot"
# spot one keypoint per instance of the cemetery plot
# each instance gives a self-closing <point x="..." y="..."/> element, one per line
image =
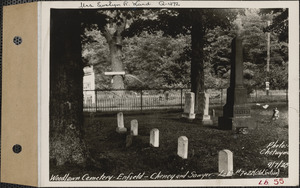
<point x="166" y="144"/>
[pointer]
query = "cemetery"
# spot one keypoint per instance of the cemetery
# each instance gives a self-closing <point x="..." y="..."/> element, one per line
<point x="201" y="130"/>
<point x="160" y="134"/>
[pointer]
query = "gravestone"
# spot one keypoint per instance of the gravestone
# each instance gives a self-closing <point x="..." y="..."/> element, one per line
<point x="189" y="106"/>
<point x="206" y="117"/>
<point x="154" y="138"/>
<point x="225" y="162"/>
<point x="134" y="127"/>
<point x="121" y="128"/>
<point x="236" y="112"/>
<point x="182" y="150"/>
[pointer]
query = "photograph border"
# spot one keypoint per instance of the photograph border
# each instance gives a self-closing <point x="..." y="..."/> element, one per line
<point x="44" y="83"/>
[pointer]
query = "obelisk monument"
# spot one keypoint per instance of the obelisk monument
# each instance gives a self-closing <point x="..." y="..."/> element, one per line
<point x="236" y="112"/>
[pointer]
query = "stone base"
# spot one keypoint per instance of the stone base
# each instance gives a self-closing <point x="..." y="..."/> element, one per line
<point x="232" y="123"/>
<point x="225" y="123"/>
<point x="121" y="129"/>
<point x="189" y="116"/>
<point x="206" y="117"/>
<point x="207" y="122"/>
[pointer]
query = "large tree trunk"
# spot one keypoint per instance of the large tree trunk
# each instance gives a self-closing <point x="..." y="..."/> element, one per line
<point x="197" y="68"/>
<point x="66" y="89"/>
<point x="113" y="35"/>
<point x="115" y="48"/>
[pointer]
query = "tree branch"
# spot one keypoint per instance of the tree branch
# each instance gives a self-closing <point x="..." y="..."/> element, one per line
<point x="106" y="33"/>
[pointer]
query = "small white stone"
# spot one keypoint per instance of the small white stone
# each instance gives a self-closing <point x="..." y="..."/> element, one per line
<point x="120" y="119"/>
<point x="134" y="127"/>
<point x="226" y="162"/>
<point x="182" y="149"/>
<point x="154" y="137"/>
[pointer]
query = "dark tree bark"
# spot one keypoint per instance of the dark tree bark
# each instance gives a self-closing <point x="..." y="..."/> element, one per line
<point x="197" y="64"/>
<point x="66" y="89"/>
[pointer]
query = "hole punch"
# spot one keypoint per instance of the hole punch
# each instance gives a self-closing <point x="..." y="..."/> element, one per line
<point x="17" y="148"/>
<point x="17" y="40"/>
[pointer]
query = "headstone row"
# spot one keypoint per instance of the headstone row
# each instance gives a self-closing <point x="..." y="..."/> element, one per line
<point x="154" y="133"/>
<point x="133" y="125"/>
<point x="189" y="108"/>
<point x="225" y="156"/>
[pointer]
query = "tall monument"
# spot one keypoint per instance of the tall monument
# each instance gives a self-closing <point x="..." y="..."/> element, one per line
<point x="236" y="112"/>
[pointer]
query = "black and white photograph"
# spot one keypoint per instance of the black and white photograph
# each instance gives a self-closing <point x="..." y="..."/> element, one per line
<point x="160" y="94"/>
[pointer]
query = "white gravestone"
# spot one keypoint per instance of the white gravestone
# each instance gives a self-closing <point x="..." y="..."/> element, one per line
<point x="134" y="127"/>
<point x="225" y="162"/>
<point x="206" y="117"/>
<point x="182" y="149"/>
<point x="154" y="137"/>
<point x="121" y="128"/>
<point x="189" y="106"/>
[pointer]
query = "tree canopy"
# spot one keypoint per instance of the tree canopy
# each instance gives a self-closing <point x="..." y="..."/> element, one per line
<point x="280" y="23"/>
<point x="158" y="51"/>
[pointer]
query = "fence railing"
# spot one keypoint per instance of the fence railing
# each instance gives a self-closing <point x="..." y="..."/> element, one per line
<point x="147" y="99"/>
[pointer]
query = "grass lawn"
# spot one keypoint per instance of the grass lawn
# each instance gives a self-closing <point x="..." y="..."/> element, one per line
<point x="204" y="142"/>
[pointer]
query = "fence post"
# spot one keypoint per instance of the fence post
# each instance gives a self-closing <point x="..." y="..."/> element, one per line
<point x="96" y="99"/>
<point x="221" y="96"/>
<point x="181" y="98"/>
<point x="141" y="99"/>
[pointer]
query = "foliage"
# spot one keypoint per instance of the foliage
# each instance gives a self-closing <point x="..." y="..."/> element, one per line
<point x="96" y="52"/>
<point x="113" y="23"/>
<point x="278" y="77"/>
<point x="280" y="22"/>
<point x="218" y="52"/>
<point x="149" y="60"/>
<point x="153" y="58"/>
<point x="156" y="60"/>
<point x="174" y="22"/>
